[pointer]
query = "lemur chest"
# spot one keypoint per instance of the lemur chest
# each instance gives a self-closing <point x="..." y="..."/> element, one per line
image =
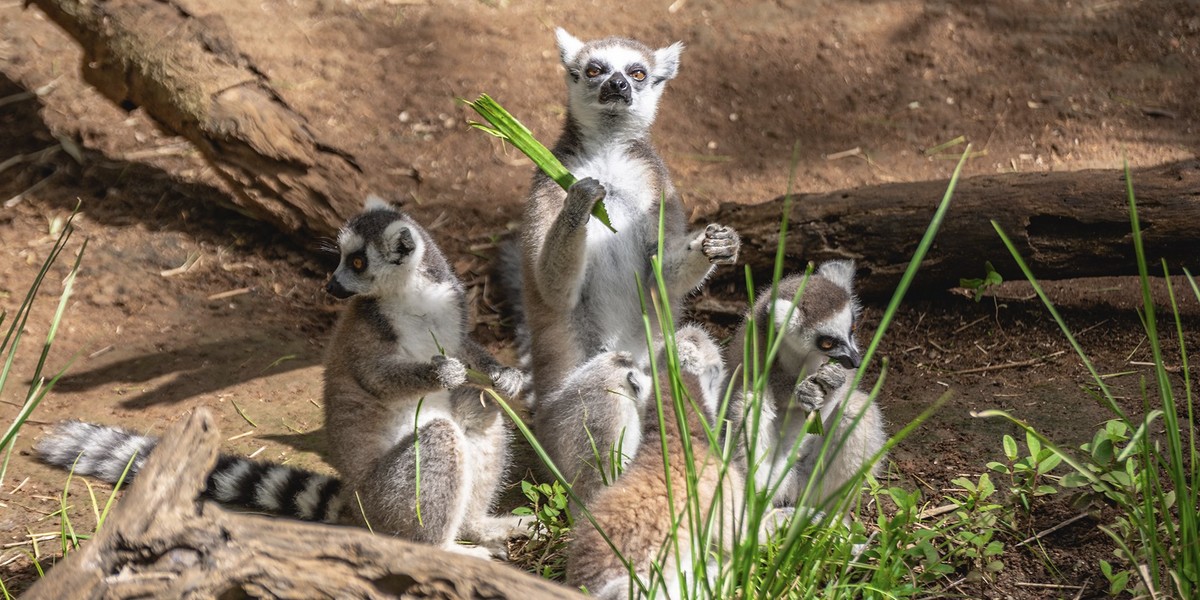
<point x="426" y="320"/>
<point x="632" y="185"/>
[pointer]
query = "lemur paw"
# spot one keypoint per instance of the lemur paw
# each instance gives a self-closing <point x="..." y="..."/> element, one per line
<point x="720" y="244"/>
<point x="811" y="393"/>
<point x="581" y="197"/>
<point x="508" y="381"/>
<point x="451" y="373"/>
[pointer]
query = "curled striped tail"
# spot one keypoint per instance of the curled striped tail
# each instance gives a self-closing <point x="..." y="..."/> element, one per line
<point x="103" y="452"/>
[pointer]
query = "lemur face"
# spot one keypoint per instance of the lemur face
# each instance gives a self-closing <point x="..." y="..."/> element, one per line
<point x="616" y="77"/>
<point x="822" y="326"/>
<point x="377" y="246"/>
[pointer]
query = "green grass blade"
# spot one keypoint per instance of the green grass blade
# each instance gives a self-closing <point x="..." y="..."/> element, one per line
<point x="506" y="127"/>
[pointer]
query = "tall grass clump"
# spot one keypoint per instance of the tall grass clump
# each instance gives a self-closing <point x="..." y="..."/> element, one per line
<point x="1150" y="479"/>
<point x="38" y="386"/>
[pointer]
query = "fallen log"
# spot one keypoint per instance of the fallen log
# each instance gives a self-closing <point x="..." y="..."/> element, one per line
<point x="187" y="74"/>
<point x="162" y="541"/>
<point x="1066" y="225"/>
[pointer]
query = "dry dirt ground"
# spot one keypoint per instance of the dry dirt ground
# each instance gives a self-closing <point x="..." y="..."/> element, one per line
<point x="862" y="90"/>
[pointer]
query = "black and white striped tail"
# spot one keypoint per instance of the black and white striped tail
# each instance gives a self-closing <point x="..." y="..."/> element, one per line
<point x="103" y="452"/>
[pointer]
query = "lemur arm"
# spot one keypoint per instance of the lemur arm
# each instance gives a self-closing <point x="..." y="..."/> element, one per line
<point x="560" y="259"/>
<point x="390" y="374"/>
<point x="689" y="261"/>
<point x="507" y="380"/>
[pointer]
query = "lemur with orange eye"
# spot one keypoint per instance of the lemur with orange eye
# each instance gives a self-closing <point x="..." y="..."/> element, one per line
<point x="579" y="280"/>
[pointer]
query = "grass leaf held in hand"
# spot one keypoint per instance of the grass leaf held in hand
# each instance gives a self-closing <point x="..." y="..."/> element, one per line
<point x="502" y="125"/>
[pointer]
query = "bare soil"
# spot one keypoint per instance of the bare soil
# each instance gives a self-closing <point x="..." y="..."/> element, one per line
<point x="857" y="93"/>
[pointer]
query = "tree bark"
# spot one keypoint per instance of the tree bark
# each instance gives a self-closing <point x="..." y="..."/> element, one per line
<point x="161" y="541"/>
<point x="1065" y="225"/>
<point x="187" y="74"/>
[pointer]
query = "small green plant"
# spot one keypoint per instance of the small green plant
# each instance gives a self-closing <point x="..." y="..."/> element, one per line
<point x="548" y="532"/>
<point x="917" y="550"/>
<point x="1114" y="467"/>
<point x="972" y="538"/>
<point x="1027" y="471"/>
<point x="990" y="280"/>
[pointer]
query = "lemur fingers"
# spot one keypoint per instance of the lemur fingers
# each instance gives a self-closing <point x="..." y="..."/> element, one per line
<point x="450" y="372"/>
<point x="810" y="394"/>
<point x="581" y="197"/>
<point x="508" y="381"/>
<point x="721" y="244"/>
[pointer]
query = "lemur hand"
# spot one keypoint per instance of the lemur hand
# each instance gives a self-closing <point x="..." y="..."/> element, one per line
<point x="581" y="197"/>
<point x="508" y="381"/>
<point x="720" y="244"/>
<point x="811" y="393"/>
<point x="451" y="373"/>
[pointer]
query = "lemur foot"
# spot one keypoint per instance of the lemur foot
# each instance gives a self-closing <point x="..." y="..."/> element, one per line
<point x="720" y="244"/>
<point x="811" y="393"/>
<point x="581" y="197"/>
<point x="451" y="373"/>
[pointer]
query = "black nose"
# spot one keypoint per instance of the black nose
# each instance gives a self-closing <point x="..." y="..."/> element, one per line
<point x="337" y="290"/>
<point x="616" y="88"/>
<point x="850" y="360"/>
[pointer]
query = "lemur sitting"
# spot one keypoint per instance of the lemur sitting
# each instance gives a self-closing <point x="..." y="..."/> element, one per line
<point x="580" y="280"/>
<point x="390" y="393"/>
<point x="640" y="511"/>
<point x="813" y="371"/>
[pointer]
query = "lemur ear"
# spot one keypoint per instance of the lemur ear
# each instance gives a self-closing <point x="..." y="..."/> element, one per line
<point x="666" y="62"/>
<point x="400" y="241"/>
<point x="568" y="45"/>
<point x="840" y="272"/>
<point x="376" y="203"/>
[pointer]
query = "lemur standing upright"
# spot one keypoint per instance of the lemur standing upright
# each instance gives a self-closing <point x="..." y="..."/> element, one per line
<point x="391" y="395"/>
<point x="580" y="280"/>
<point x="813" y="371"/>
<point x="639" y="511"/>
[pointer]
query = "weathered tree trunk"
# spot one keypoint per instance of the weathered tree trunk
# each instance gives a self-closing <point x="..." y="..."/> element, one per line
<point x="1066" y="225"/>
<point x="187" y="74"/>
<point x="161" y="541"/>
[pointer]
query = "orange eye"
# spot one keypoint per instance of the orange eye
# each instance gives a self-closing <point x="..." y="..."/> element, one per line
<point x="592" y="71"/>
<point x="638" y="75"/>
<point x="826" y="343"/>
<point x="357" y="263"/>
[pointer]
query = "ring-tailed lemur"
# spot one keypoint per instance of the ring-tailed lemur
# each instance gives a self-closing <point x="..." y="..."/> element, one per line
<point x="580" y="280"/>
<point x="813" y="371"/>
<point x="394" y="395"/>
<point x="591" y="425"/>
<point x="394" y="389"/>
<point x="638" y="514"/>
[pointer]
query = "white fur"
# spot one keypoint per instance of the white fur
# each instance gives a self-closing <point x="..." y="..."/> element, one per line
<point x="418" y="314"/>
<point x="227" y="481"/>
<point x="374" y="202"/>
<point x="568" y="45"/>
